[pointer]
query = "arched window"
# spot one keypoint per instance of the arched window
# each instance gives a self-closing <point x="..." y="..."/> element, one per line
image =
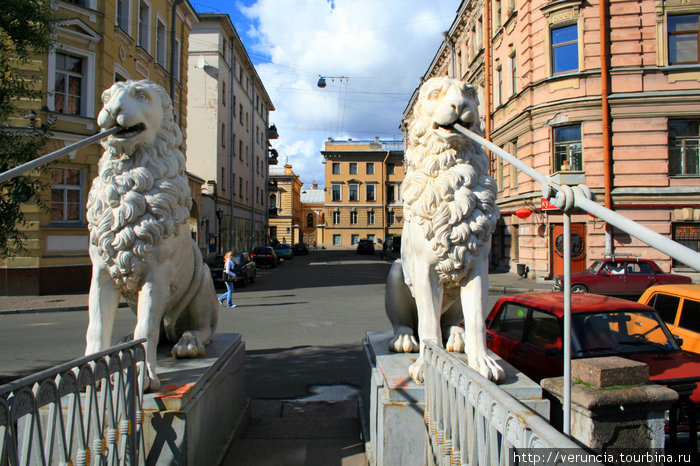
<point x="310" y="220"/>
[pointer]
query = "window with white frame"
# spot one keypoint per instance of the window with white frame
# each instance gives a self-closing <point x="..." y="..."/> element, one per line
<point x="390" y="218"/>
<point x="370" y="217"/>
<point x="161" y="44"/>
<point x="353" y="168"/>
<point x="370" y="193"/>
<point x="336" y="217"/>
<point x="683" y="37"/>
<point x="123" y="10"/>
<point x="144" y="25"/>
<point x="336" y="195"/>
<point x="353" y="192"/>
<point x="568" y="147"/>
<point x="564" y="40"/>
<point x="684" y="147"/>
<point x="370" y="168"/>
<point x="353" y="217"/>
<point x="66" y="194"/>
<point x="513" y="74"/>
<point x="336" y="168"/>
<point x="354" y="239"/>
<point x="337" y="240"/>
<point x="69" y="84"/>
<point x="391" y="193"/>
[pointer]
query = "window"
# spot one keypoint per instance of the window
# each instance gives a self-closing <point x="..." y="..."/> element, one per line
<point x="688" y="234"/>
<point x="683" y="34"/>
<point x="336" y="168"/>
<point x="390" y="219"/>
<point x="310" y="220"/>
<point x="543" y="329"/>
<point x="66" y="194"/>
<point x="689" y="314"/>
<point x="353" y="218"/>
<point x="370" y="168"/>
<point x="371" y="238"/>
<point x="513" y="75"/>
<point x="353" y="193"/>
<point x="390" y="194"/>
<point x="223" y="134"/>
<point x="223" y="93"/>
<point x="666" y="306"/>
<point x="370" y="193"/>
<point x="567" y="147"/>
<point x="513" y="170"/>
<point x="684" y="147"/>
<point x="161" y="41"/>
<point x="240" y="149"/>
<point x="337" y="240"/>
<point x="144" y="25"/>
<point x="564" y="49"/>
<point x="353" y="168"/>
<point x="240" y="187"/>
<point x="69" y="82"/>
<point x="499" y="84"/>
<point x="336" y="193"/>
<point x="123" y="14"/>
<point x="370" y="218"/>
<point x="336" y="217"/>
<point x="176" y="61"/>
<point x="354" y="239"/>
<point x="511" y="320"/>
<point x="223" y="177"/>
<point x="390" y="168"/>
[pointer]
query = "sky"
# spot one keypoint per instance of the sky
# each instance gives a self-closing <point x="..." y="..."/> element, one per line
<point x="372" y="53"/>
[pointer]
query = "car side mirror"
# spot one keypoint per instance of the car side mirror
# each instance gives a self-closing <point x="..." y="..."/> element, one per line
<point x="678" y="339"/>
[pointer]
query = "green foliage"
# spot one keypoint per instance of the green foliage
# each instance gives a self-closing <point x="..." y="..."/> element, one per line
<point x="25" y="33"/>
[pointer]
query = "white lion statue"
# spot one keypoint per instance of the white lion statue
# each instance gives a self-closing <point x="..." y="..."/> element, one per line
<point x="140" y="241"/>
<point x="450" y="213"/>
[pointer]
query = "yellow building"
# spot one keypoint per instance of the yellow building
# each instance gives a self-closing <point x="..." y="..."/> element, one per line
<point x="284" y="193"/>
<point x="99" y="42"/>
<point x="313" y="216"/>
<point x="363" y="179"/>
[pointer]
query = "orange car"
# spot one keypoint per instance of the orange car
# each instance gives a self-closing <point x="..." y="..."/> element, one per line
<point x="679" y="307"/>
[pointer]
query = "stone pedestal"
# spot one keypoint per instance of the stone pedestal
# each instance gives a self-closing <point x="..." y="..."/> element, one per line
<point x="613" y="405"/>
<point x="394" y="414"/>
<point x="201" y="406"/>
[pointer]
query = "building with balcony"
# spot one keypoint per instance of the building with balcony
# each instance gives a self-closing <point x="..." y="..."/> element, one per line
<point x="363" y="199"/>
<point x="228" y="138"/>
<point x="284" y="193"/>
<point x="614" y="95"/>
<point x="98" y="43"/>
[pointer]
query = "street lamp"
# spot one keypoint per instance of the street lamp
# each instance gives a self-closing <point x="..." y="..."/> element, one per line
<point x="322" y="80"/>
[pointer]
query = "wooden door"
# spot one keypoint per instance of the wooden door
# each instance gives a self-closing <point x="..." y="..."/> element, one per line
<point x="578" y="248"/>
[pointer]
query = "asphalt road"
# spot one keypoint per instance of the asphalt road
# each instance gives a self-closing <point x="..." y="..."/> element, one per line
<point x="302" y="324"/>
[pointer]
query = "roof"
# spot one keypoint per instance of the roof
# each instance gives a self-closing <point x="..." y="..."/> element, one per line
<point x="313" y="196"/>
<point x="580" y="302"/>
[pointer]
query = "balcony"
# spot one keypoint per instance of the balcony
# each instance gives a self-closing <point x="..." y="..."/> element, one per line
<point x="272" y="132"/>
<point x="272" y="158"/>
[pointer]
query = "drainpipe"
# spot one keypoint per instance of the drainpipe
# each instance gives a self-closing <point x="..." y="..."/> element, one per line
<point x="173" y="21"/>
<point x="604" y="90"/>
<point x="487" y="71"/>
<point x="232" y="121"/>
<point x="254" y="109"/>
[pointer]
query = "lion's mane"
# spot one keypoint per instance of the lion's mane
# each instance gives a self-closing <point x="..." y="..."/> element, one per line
<point x="448" y="191"/>
<point x="137" y="201"/>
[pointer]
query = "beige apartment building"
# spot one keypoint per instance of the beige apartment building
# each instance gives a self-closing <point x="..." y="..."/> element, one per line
<point x="98" y="43"/>
<point x="228" y="137"/>
<point x="284" y="193"/>
<point x="363" y="200"/>
<point x="616" y="96"/>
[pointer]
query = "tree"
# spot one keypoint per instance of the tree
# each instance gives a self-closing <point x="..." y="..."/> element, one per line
<point x="25" y="34"/>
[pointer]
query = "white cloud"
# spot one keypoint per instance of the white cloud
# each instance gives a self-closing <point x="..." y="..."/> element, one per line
<point x="383" y="47"/>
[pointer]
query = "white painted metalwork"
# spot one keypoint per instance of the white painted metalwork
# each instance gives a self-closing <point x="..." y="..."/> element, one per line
<point x="470" y="420"/>
<point x="87" y="411"/>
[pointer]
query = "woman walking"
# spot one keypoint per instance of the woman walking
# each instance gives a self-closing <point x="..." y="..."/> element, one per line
<point x="229" y="277"/>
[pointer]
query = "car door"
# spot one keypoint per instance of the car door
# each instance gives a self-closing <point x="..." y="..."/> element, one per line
<point x="506" y="331"/>
<point x="539" y="353"/>
<point x="610" y="279"/>
<point x="639" y="277"/>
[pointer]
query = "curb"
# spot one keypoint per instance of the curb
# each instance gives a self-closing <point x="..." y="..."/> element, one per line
<point x="50" y="309"/>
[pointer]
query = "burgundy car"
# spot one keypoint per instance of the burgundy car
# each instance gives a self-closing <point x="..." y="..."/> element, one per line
<point x="526" y="330"/>
<point x="620" y="276"/>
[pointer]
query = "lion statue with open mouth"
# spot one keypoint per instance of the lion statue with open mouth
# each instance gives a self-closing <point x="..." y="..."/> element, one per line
<point x="140" y="242"/>
<point x="449" y="205"/>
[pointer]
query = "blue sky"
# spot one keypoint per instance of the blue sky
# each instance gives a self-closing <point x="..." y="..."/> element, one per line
<point x="374" y="52"/>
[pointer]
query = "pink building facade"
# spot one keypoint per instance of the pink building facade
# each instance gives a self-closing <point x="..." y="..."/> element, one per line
<point x="629" y="117"/>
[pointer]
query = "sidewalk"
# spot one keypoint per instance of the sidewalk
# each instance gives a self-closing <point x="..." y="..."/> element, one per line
<point x="499" y="283"/>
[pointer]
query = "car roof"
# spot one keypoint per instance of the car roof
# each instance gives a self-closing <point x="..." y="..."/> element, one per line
<point x="692" y="291"/>
<point x="553" y="301"/>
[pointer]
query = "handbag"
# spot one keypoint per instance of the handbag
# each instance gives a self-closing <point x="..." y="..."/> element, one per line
<point x="228" y="277"/>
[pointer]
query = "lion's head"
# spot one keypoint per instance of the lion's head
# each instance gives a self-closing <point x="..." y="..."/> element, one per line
<point x="141" y="195"/>
<point x="447" y="188"/>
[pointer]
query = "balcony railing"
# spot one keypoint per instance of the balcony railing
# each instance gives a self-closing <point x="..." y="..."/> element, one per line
<point x="87" y="411"/>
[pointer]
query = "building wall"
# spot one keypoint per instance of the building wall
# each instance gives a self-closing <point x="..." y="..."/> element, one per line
<point x="543" y="97"/>
<point x="340" y="230"/>
<point x="285" y="205"/>
<point x="229" y="139"/>
<point x="106" y="49"/>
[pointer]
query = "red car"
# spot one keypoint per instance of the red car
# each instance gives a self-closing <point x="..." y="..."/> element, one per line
<point x="526" y="330"/>
<point x="620" y="276"/>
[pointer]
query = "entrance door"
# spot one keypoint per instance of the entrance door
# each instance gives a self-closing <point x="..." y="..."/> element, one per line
<point x="578" y="248"/>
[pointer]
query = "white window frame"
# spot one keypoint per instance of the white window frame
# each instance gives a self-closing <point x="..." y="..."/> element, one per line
<point x="126" y="4"/>
<point x="176" y="60"/>
<point x="340" y="193"/>
<point x="370" y="217"/>
<point x="368" y="188"/>
<point x="336" y="217"/>
<point x="356" y="187"/>
<point x="139" y="39"/>
<point x="65" y="188"/>
<point x="353" y="217"/>
<point x="88" y="88"/>
<point x="161" y="52"/>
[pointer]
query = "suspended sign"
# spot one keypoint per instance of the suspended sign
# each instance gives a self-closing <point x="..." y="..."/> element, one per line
<point x="546" y="205"/>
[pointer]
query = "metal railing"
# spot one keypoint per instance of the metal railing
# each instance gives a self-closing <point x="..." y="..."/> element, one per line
<point x="567" y="190"/>
<point x="470" y="420"/>
<point x="87" y="411"/>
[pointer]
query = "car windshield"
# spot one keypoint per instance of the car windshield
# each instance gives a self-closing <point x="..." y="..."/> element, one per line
<point x="282" y="246"/>
<point x="595" y="266"/>
<point x="238" y="259"/>
<point x="619" y="333"/>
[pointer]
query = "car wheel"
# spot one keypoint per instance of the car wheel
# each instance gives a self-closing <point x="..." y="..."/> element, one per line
<point x="579" y="289"/>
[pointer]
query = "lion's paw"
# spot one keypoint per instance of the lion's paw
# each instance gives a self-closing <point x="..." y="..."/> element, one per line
<point x="489" y="368"/>
<point x="151" y="383"/>
<point x="404" y="343"/>
<point x="188" y="347"/>
<point x="415" y="370"/>
<point x="455" y="343"/>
